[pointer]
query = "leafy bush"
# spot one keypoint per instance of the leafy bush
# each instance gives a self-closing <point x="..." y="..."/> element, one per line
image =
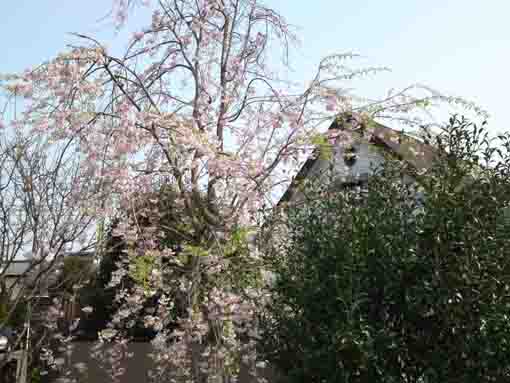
<point x="396" y="288"/>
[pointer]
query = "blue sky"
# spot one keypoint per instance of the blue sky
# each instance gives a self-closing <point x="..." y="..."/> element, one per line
<point x="460" y="47"/>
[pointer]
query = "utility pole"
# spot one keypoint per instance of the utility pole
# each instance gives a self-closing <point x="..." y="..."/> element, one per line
<point x="22" y="360"/>
<point x="21" y="371"/>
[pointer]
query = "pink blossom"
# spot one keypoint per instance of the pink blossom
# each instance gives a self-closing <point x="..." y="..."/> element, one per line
<point x="25" y="89"/>
<point x="60" y="92"/>
<point x="260" y="39"/>
<point x="43" y="125"/>
<point x="138" y="35"/>
<point x="169" y="134"/>
<point x="121" y="17"/>
<point x="331" y="104"/>
<point x="186" y="40"/>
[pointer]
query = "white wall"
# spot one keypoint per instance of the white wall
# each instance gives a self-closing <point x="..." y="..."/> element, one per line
<point x="368" y="158"/>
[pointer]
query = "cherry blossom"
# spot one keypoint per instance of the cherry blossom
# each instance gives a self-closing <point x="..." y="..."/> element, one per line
<point x="194" y="103"/>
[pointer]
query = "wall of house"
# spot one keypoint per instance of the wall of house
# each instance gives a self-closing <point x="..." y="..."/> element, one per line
<point x="11" y="273"/>
<point x="368" y="158"/>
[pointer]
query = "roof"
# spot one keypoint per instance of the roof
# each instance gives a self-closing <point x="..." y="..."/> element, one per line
<point x="416" y="153"/>
<point x="81" y="254"/>
<point x="15" y="268"/>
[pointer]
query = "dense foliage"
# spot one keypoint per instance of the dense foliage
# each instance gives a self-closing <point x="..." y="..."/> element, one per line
<point x="409" y="283"/>
<point x="201" y="99"/>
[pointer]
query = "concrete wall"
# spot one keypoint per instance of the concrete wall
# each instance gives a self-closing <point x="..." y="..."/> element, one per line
<point x="136" y="367"/>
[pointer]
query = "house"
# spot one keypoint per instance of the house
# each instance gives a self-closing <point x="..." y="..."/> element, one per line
<point x="353" y="164"/>
<point x="41" y="274"/>
<point x="352" y="157"/>
<point x="30" y="284"/>
<point x="39" y="281"/>
<point x="12" y="276"/>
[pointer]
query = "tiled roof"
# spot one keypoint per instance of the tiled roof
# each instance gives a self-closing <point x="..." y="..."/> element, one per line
<point x="409" y="149"/>
<point x="15" y="268"/>
<point x="416" y="153"/>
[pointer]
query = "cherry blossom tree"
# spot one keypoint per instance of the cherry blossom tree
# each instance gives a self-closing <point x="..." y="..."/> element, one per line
<point x="40" y="183"/>
<point x="198" y="104"/>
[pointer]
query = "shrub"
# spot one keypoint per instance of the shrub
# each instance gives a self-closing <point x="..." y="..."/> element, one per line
<point x="397" y="288"/>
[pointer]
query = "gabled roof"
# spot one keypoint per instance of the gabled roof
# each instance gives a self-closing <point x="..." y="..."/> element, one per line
<point x="81" y="254"/>
<point x="416" y="153"/>
<point x="18" y="267"/>
<point x="15" y="268"/>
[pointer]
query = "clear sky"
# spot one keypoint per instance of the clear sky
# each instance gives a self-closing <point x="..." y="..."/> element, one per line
<point x="461" y="47"/>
